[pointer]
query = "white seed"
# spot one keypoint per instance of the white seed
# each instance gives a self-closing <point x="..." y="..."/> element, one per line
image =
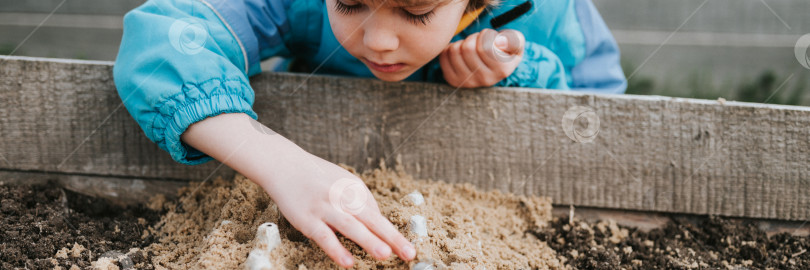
<point x="258" y="260"/>
<point x="415" y="198"/>
<point x="267" y="237"/>
<point x="226" y="222"/>
<point x="423" y="266"/>
<point x="418" y="225"/>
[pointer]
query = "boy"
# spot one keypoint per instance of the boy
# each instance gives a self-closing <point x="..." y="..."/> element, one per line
<point x="183" y="65"/>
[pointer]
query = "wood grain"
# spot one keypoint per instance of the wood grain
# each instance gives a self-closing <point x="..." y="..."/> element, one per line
<point x="650" y="154"/>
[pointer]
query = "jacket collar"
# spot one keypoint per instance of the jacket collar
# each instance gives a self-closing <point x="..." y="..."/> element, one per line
<point x="468" y="19"/>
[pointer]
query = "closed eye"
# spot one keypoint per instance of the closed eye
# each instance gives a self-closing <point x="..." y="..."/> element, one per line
<point x="424" y="18"/>
<point x="347" y="9"/>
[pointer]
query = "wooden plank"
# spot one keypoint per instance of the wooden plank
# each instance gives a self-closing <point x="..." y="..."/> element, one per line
<point x="650" y="153"/>
<point x="65" y="116"/>
<point x="119" y="190"/>
<point x="647" y="221"/>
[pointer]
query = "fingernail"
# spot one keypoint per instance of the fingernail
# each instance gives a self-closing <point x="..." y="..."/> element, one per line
<point x="347" y="261"/>
<point x="408" y="252"/>
<point x="383" y="251"/>
<point x="501" y="42"/>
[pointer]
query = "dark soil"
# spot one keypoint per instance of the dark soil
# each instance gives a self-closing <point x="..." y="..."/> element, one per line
<point x="39" y="220"/>
<point x="706" y="243"/>
<point x="36" y="221"/>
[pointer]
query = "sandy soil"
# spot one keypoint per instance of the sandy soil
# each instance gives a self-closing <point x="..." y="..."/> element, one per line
<point x="214" y="225"/>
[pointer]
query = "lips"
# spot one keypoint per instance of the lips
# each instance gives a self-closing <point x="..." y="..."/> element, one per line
<point x="388" y="68"/>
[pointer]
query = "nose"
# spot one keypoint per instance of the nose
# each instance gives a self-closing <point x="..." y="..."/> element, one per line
<point x="379" y="36"/>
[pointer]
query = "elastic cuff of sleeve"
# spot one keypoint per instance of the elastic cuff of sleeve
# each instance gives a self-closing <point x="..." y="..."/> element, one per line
<point x="193" y="112"/>
<point x="539" y="68"/>
<point x="525" y="74"/>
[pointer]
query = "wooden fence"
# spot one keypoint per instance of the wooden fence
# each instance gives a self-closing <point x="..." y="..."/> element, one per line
<point x="63" y="120"/>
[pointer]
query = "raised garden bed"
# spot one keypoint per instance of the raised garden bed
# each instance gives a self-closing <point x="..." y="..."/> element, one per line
<point x="45" y="226"/>
<point x="214" y="225"/>
<point x="652" y="155"/>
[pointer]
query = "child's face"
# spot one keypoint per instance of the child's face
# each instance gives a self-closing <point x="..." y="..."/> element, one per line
<point x="392" y="39"/>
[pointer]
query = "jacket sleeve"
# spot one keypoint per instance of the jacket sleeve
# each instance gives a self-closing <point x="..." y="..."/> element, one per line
<point x="601" y="70"/>
<point x="573" y="49"/>
<point x="539" y="68"/>
<point x="554" y="41"/>
<point x="180" y="62"/>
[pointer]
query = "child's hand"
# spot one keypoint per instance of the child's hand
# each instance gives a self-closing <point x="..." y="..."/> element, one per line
<point x="316" y="196"/>
<point x="482" y="59"/>
<point x="322" y="197"/>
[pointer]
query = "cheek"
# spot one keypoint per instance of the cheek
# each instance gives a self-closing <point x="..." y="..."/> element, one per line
<point x="440" y="32"/>
<point x="427" y="50"/>
<point x="342" y="28"/>
<point x="439" y="39"/>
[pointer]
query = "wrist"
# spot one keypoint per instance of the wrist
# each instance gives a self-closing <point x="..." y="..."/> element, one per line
<point x="247" y="146"/>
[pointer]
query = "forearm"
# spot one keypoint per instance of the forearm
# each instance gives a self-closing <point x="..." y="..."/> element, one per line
<point x="248" y="147"/>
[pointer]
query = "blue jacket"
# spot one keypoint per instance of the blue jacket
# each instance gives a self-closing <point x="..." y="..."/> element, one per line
<point x="181" y="61"/>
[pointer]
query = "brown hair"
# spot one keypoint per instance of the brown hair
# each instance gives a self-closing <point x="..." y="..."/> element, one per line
<point x="476" y="4"/>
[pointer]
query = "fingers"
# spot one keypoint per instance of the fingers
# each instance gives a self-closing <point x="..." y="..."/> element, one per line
<point x="456" y="61"/>
<point x="350" y="227"/>
<point x="363" y="230"/>
<point x="470" y="53"/>
<point x="500" y="48"/>
<point x="502" y="51"/>
<point x="460" y="63"/>
<point x="327" y="240"/>
<point x="383" y="228"/>
<point x="483" y="58"/>
<point x="447" y="68"/>
<point x="510" y="41"/>
<point x="486" y="41"/>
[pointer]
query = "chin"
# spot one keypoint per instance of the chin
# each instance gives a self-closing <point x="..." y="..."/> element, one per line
<point x="392" y="77"/>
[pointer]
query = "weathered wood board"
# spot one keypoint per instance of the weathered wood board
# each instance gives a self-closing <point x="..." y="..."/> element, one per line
<point x="650" y="153"/>
<point x="121" y="190"/>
